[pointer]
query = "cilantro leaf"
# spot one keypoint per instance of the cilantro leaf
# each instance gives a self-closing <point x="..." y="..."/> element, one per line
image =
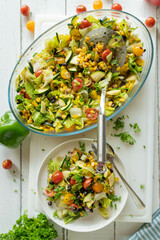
<point x="126" y="137"/>
<point x="77" y="178"/>
<point x="142" y="186"/>
<point x="118" y="123"/>
<point x="58" y="192"/>
<point x="82" y="146"/>
<point x="135" y="127"/>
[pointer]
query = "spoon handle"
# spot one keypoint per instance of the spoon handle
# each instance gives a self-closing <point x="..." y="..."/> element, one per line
<point x="139" y="203"/>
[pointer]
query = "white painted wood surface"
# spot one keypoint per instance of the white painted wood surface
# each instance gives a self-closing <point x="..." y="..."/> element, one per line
<point x="14" y="39"/>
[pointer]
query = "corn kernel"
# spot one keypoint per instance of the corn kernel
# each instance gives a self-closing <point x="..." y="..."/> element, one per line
<point x="34" y="103"/>
<point x="38" y="100"/>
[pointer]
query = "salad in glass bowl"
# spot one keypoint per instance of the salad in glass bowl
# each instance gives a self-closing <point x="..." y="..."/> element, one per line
<point x="75" y="187"/>
<point x="60" y="88"/>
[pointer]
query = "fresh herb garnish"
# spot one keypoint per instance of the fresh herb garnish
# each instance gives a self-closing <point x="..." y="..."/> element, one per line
<point x="126" y="137"/>
<point x="144" y="146"/>
<point x="119" y="123"/>
<point x="66" y="163"/>
<point x="31" y="228"/>
<point x="30" y="67"/>
<point x="135" y="127"/>
<point x="142" y="186"/>
<point x="77" y="178"/>
<point x="58" y="192"/>
<point x="82" y="146"/>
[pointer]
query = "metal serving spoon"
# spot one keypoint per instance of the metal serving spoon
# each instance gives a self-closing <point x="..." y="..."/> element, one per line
<point x="103" y="35"/>
<point x="111" y="156"/>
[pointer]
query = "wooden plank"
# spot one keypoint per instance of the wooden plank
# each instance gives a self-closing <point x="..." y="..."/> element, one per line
<point x="9" y="54"/>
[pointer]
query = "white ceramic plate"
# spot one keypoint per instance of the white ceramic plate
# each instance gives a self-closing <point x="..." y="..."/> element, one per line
<point x="93" y="221"/>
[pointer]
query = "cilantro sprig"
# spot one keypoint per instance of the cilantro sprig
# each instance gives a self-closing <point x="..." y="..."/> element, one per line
<point x="125" y="137"/>
<point x="119" y="123"/>
<point x="31" y="228"/>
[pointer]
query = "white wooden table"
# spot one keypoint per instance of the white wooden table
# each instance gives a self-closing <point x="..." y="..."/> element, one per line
<point x="13" y="41"/>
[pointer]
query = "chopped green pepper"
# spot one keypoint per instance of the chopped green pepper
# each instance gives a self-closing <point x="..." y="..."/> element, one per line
<point x="12" y="132"/>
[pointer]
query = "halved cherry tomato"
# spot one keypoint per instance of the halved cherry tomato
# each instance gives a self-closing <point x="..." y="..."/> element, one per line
<point x="7" y="164"/>
<point x="38" y="72"/>
<point x="117" y="6"/>
<point x="25" y="94"/>
<point x="75" y="151"/>
<point x="104" y="55"/>
<point x="92" y="113"/>
<point x="97" y="187"/>
<point x="87" y="182"/>
<point x="25" y="10"/>
<point x="84" y="24"/>
<point x="72" y="181"/>
<point x="70" y="129"/>
<point x="68" y="198"/>
<point x="73" y="206"/>
<point x="97" y="4"/>
<point x="137" y="50"/>
<point x="77" y="84"/>
<point x="30" y="25"/>
<point x="57" y="177"/>
<point x="150" y="22"/>
<point x="65" y="74"/>
<point x="80" y="9"/>
<point x="49" y="193"/>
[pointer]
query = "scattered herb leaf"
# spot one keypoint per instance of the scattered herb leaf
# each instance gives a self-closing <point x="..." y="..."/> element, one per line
<point x="82" y="146"/>
<point x="142" y="186"/>
<point x="119" y="123"/>
<point x="126" y="137"/>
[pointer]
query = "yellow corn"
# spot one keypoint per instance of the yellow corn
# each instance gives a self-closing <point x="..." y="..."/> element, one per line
<point x="34" y="103"/>
<point x="38" y="100"/>
<point x="94" y="94"/>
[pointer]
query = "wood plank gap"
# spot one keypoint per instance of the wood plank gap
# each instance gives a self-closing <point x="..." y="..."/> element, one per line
<point x="114" y="230"/>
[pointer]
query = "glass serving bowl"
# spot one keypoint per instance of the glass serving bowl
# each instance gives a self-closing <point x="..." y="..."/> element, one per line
<point x="62" y="28"/>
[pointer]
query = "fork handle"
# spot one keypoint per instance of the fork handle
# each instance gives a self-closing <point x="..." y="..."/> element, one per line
<point x="101" y="139"/>
<point x="139" y="203"/>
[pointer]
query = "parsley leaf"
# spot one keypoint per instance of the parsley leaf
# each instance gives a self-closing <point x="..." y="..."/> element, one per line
<point x="135" y="127"/>
<point x="66" y="163"/>
<point x="118" y="123"/>
<point x="58" y="192"/>
<point x="82" y="146"/>
<point x="126" y="137"/>
<point x="31" y="228"/>
<point x="142" y="186"/>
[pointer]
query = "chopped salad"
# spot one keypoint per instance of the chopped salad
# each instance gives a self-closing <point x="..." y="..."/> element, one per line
<point x="76" y="188"/>
<point x="60" y="88"/>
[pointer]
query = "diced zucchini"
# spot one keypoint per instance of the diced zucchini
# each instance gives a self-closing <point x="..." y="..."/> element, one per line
<point x="57" y="36"/>
<point x="35" y="128"/>
<point x="114" y="92"/>
<point x="74" y="44"/>
<point x="69" y="56"/>
<point x="75" y="112"/>
<point x="41" y="90"/>
<point x="97" y="76"/>
<point x="88" y="197"/>
<point x="43" y="107"/>
<point x="72" y="69"/>
<point x="114" y="42"/>
<point x="89" y="204"/>
<point x="66" y="107"/>
<point x="61" y="102"/>
<point x="74" y="61"/>
<point x="111" y="179"/>
<point x="108" y="23"/>
<point x="84" y="31"/>
<point x="74" y="20"/>
<point x="55" y="76"/>
<point x="99" y="196"/>
<point x="130" y="47"/>
<point x="109" y="57"/>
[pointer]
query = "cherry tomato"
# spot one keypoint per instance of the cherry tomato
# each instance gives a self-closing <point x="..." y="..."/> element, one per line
<point x="72" y="181"/>
<point x="97" y="187"/>
<point x="97" y="4"/>
<point x="84" y="24"/>
<point x="92" y="113"/>
<point x="49" y="193"/>
<point x="80" y="9"/>
<point x="25" y="10"/>
<point x="150" y="22"/>
<point x="68" y="198"/>
<point x="117" y="6"/>
<point x="57" y="177"/>
<point x="105" y="53"/>
<point x="7" y="164"/>
<point x="30" y="25"/>
<point x="38" y="72"/>
<point x="65" y="74"/>
<point x="73" y="206"/>
<point x="137" y="50"/>
<point x="87" y="182"/>
<point x="77" y="84"/>
<point x="70" y="129"/>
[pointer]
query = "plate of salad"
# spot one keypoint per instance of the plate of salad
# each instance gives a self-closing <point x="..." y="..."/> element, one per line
<point x="73" y="194"/>
<point x="58" y="91"/>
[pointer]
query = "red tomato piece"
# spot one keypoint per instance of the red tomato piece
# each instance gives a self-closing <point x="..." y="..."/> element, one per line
<point x="80" y="9"/>
<point x="117" y="6"/>
<point x="150" y="22"/>
<point x="57" y="177"/>
<point x="73" y="206"/>
<point x="84" y="24"/>
<point x="92" y="113"/>
<point x="49" y="193"/>
<point x="7" y="164"/>
<point x="104" y="55"/>
<point x="77" y="84"/>
<point x="72" y="181"/>
<point x="38" y="72"/>
<point x="25" y="10"/>
<point x="87" y="182"/>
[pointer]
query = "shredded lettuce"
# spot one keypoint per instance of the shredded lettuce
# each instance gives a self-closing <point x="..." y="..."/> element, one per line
<point x="54" y="165"/>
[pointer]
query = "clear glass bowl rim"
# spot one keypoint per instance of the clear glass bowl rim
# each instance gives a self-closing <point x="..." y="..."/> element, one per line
<point x="109" y="117"/>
